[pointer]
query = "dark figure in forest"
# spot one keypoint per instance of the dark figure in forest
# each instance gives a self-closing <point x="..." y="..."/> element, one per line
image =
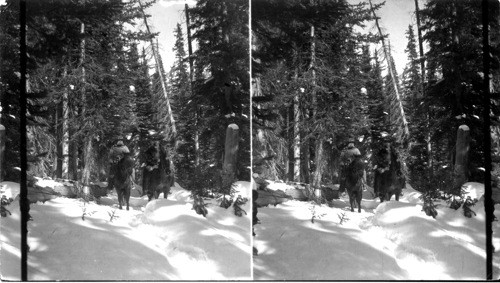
<point x="120" y="172"/>
<point x="255" y="220"/>
<point x="199" y="205"/>
<point x="156" y="174"/>
<point x="352" y="171"/>
<point x="388" y="176"/>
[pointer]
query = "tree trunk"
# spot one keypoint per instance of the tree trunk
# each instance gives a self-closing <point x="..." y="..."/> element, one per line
<point x="230" y="158"/>
<point x="65" y="138"/>
<point x="460" y="168"/>
<point x="296" y="133"/>
<point x="62" y="134"/>
<point x="308" y="146"/>
<point x="159" y="70"/>
<point x="59" y="137"/>
<point x="422" y="69"/>
<point x="289" y="142"/>
<point x="88" y="161"/>
<point x="231" y="148"/>
<point x="320" y="162"/>
<point x="420" y="46"/>
<point x="392" y="74"/>
<point x="190" y="48"/>
<point x="312" y="67"/>
<point x="305" y="157"/>
<point x="87" y="144"/>
<point x="191" y="78"/>
<point x="73" y="159"/>
<point x="2" y="150"/>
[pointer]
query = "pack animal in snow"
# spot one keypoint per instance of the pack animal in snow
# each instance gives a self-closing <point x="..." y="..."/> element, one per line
<point x="120" y="178"/>
<point x="388" y="176"/>
<point x="156" y="174"/>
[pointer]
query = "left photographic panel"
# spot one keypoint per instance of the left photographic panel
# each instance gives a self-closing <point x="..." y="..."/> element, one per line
<point x="138" y="140"/>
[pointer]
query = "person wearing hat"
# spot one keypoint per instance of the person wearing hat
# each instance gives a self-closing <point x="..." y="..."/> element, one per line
<point x="118" y="151"/>
<point x="121" y="172"/>
<point x="346" y="157"/>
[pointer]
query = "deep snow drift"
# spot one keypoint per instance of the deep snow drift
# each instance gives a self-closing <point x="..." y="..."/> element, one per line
<point x="160" y="240"/>
<point x="388" y="241"/>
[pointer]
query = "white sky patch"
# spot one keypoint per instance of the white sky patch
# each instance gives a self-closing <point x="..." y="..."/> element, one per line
<point x="168" y="3"/>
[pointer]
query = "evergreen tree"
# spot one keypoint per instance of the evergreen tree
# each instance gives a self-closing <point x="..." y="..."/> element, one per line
<point x="414" y="102"/>
<point x="9" y="89"/>
<point x="330" y="96"/>
<point x="221" y="87"/>
<point x="77" y="50"/>
<point x="180" y="88"/>
<point x="454" y="92"/>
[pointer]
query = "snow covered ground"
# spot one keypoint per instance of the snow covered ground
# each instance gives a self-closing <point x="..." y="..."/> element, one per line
<point x="388" y="241"/>
<point x="160" y="240"/>
<point x="166" y="240"/>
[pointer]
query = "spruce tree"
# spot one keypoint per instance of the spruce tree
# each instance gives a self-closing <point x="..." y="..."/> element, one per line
<point x="180" y="88"/>
<point x="454" y="92"/>
<point x="76" y="50"/>
<point x="330" y="96"/>
<point x="221" y="87"/>
<point x="414" y="102"/>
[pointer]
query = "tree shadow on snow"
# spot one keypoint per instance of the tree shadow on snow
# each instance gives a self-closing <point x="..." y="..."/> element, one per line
<point x="213" y="249"/>
<point x="60" y="247"/>
<point x="319" y="251"/>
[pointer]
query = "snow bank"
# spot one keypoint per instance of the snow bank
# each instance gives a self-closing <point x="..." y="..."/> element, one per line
<point x="395" y="241"/>
<point x="411" y="195"/>
<point x="448" y="247"/>
<point x="9" y="189"/>
<point x="278" y="186"/>
<point x="47" y="182"/>
<point x="474" y="190"/>
<point x="112" y="200"/>
<point x="71" y="239"/>
<point x="179" y="194"/>
<point x="10" y="238"/>
<point x="243" y="188"/>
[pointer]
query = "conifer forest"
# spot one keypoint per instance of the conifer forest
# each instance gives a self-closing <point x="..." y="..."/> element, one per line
<point x="250" y="139"/>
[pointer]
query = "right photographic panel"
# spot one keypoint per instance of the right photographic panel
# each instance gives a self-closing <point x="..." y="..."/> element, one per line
<point x="376" y="139"/>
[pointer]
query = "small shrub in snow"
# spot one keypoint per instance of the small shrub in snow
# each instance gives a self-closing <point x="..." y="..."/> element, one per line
<point x="314" y="215"/>
<point x="225" y="203"/>
<point x="467" y="207"/>
<point x="429" y="207"/>
<point x="199" y="206"/>
<point x="4" y="202"/>
<point x="238" y="211"/>
<point x="85" y="212"/>
<point x="456" y="203"/>
<point x="342" y="218"/>
<point x="112" y="215"/>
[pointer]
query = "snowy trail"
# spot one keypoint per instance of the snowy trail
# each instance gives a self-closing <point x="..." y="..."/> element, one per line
<point x="103" y="251"/>
<point x="323" y="250"/>
<point x="392" y="241"/>
<point x="160" y="240"/>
